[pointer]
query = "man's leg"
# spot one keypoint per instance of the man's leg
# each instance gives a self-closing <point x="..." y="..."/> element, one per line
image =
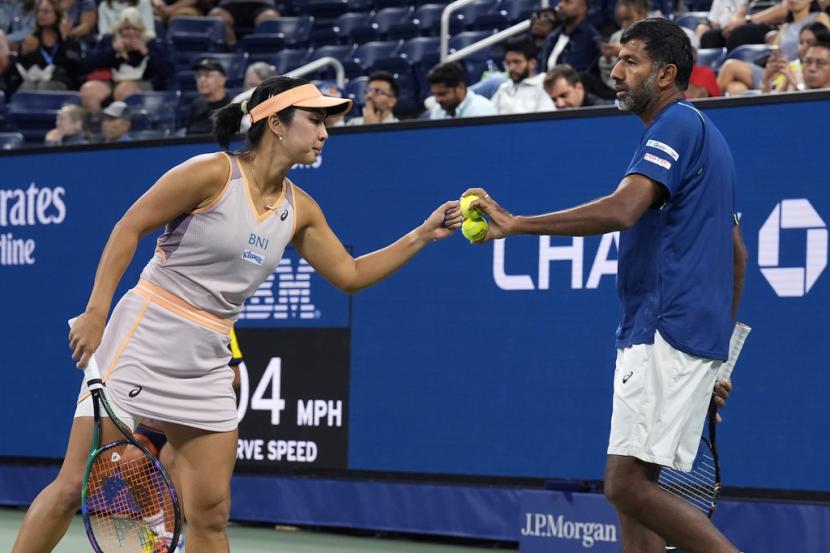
<point x="630" y="486"/>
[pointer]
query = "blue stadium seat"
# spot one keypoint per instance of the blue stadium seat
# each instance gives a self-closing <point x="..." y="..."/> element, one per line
<point x="356" y="90"/>
<point x="428" y="20"/>
<point x="422" y="54"/>
<point x="475" y="64"/>
<point x="286" y="60"/>
<point x="196" y="34"/>
<point x="324" y="8"/>
<point x="295" y="31"/>
<point x="383" y="4"/>
<point x="409" y="99"/>
<point x="691" y="20"/>
<point x="148" y="134"/>
<point x="322" y="33"/>
<point x="395" y="22"/>
<point x="745" y="52"/>
<point x="33" y="112"/>
<point x="342" y="52"/>
<point x="154" y="111"/>
<point x="369" y="54"/>
<point x="261" y="45"/>
<point x="481" y="15"/>
<point x="519" y="10"/>
<point x="354" y="28"/>
<point x="11" y="140"/>
<point x="710" y="57"/>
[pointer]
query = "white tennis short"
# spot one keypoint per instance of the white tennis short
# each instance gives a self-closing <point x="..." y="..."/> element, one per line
<point x="84" y="409"/>
<point x="661" y="398"/>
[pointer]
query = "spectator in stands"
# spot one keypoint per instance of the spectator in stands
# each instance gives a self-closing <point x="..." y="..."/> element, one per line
<point x="81" y="17"/>
<point x="48" y="60"/>
<point x="210" y="81"/>
<point x="448" y="84"/>
<point x="523" y="93"/>
<point x="721" y="14"/>
<point x="135" y="62"/>
<point x="756" y="28"/>
<point x="703" y="83"/>
<point x="254" y="75"/>
<point x="115" y="123"/>
<point x="243" y="14"/>
<point x="168" y="9"/>
<point x="542" y="23"/>
<point x="381" y="96"/>
<point x="109" y="13"/>
<point x="4" y="60"/>
<point x="737" y="77"/>
<point x="817" y="64"/>
<point x="626" y="12"/>
<point x="565" y="88"/>
<point x="69" y="127"/>
<point x="574" y="42"/>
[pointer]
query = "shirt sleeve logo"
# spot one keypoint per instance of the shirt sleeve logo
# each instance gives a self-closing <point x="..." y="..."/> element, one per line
<point x="657" y="161"/>
<point x="663" y="147"/>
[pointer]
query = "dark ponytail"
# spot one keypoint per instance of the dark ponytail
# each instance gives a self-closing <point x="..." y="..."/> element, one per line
<point x="226" y="120"/>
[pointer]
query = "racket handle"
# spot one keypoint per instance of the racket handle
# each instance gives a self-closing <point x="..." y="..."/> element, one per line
<point x="92" y="375"/>
<point x="736" y="343"/>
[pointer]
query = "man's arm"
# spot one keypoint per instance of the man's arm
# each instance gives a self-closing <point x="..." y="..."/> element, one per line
<point x="618" y="211"/>
<point x="740" y="256"/>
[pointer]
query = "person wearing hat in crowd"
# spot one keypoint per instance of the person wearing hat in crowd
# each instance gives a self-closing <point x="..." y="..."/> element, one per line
<point x="210" y="82"/>
<point x="115" y="123"/>
<point x="171" y="331"/>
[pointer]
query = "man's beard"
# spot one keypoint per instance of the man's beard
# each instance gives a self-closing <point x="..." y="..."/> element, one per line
<point x="522" y="76"/>
<point x="637" y="99"/>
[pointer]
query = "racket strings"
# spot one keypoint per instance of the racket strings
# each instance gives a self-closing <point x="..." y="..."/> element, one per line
<point x="128" y="502"/>
<point x="699" y="487"/>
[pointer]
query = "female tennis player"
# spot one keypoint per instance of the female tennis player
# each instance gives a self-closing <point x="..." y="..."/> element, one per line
<point x="164" y="352"/>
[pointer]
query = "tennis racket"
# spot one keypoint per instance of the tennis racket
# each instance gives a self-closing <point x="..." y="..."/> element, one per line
<point x="128" y="501"/>
<point x="701" y="486"/>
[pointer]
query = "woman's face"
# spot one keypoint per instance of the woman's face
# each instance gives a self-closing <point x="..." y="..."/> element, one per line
<point x="806" y="39"/>
<point x="128" y="31"/>
<point x="46" y="14"/>
<point x="303" y="139"/>
<point x="66" y="123"/>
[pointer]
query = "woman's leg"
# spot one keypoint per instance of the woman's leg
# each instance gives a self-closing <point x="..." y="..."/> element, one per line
<point x="735" y="77"/>
<point x="204" y="464"/>
<point x="52" y="511"/>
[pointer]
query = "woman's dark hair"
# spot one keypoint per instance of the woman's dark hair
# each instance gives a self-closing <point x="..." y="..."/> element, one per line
<point x="666" y="44"/>
<point x="226" y="120"/>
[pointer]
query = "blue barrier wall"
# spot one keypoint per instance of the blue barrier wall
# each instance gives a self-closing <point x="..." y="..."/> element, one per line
<point x="484" y="361"/>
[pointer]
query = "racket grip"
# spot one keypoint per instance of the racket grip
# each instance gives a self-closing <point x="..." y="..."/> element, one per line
<point x="92" y="375"/>
<point x="736" y="344"/>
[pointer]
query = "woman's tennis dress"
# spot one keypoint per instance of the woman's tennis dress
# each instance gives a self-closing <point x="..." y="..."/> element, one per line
<point x="164" y="353"/>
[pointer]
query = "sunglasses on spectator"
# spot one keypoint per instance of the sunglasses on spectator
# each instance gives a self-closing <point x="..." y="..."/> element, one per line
<point x="376" y="92"/>
<point x="545" y="17"/>
<point x="821" y="64"/>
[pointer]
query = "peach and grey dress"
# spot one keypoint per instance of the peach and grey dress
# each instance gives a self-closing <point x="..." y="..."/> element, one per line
<point x="164" y="353"/>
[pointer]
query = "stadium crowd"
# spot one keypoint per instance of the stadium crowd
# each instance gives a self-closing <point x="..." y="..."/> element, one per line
<point x="152" y="68"/>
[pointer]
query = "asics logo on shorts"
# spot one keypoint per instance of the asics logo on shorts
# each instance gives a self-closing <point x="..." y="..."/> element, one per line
<point x="135" y="391"/>
<point x="626" y="376"/>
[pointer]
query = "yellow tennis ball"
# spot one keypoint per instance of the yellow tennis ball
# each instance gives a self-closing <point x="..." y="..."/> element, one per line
<point x="465" y="207"/>
<point x="474" y="230"/>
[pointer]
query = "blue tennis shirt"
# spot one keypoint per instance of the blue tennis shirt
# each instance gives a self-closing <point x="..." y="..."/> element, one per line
<point x="676" y="263"/>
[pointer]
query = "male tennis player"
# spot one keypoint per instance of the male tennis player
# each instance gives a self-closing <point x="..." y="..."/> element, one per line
<point x="680" y="275"/>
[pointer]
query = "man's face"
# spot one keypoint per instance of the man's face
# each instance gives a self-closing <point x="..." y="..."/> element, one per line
<point x="380" y="94"/>
<point x="572" y="10"/>
<point x="114" y="128"/>
<point x="565" y="95"/>
<point x="542" y="23"/>
<point x="624" y="15"/>
<point x="635" y="77"/>
<point x="209" y="82"/>
<point x="817" y="68"/>
<point x="518" y="66"/>
<point x="66" y="123"/>
<point x="449" y="97"/>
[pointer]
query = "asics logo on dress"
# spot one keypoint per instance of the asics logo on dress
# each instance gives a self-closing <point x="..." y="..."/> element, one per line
<point x="284" y="215"/>
<point x="626" y="376"/>
<point x="135" y="391"/>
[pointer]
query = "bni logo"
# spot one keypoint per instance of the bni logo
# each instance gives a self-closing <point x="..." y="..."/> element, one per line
<point x="792" y="214"/>
<point x="285" y="294"/>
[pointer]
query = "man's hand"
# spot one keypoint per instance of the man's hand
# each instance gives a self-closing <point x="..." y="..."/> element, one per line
<point x="721" y="393"/>
<point x="501" y="221"/>
<point x="371" y="115"/>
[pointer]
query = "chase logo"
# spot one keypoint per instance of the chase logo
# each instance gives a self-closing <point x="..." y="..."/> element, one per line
<point x="792" y="214"/>
<point x="252" y="257"/>
<point x="295" y="295"/>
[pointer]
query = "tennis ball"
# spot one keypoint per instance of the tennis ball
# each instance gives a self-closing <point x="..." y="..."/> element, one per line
<point x="474" y="230"/>
<point x="465" y="207"/>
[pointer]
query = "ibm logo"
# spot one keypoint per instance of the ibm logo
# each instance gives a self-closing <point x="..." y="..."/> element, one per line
<point x="284" y="295"/>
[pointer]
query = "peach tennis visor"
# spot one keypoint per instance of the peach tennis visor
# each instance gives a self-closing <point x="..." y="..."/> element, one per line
<point x="305" y="96"/>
